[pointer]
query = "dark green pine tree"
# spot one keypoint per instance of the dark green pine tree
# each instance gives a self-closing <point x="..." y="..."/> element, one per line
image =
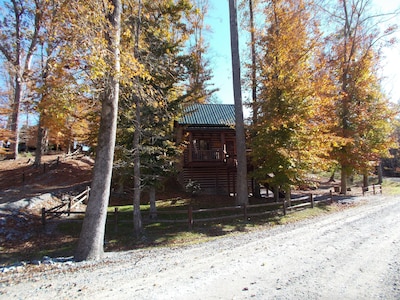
<point x="151" y="102"/>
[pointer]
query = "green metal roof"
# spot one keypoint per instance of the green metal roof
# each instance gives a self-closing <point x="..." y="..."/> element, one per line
<point x="209" y="115"/>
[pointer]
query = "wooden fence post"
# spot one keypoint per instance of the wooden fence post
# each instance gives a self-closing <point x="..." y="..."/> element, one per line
<point x="115" y="219"/>
<point x="190" y="217"/>
<point x="69" y="205"/>
<point x="87" y="194"/>
<point x="373" y="189"/>
<point x="245" y="212"/>
<point x="312" y="200"/>
<point x="44" y="216"/>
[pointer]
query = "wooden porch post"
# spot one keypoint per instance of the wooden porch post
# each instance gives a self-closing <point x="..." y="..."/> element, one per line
<point x="190" y="146"/>
<point x="223" y="144"/>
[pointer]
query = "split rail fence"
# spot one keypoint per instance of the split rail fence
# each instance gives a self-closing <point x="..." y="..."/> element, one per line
<point x="33" y="171"/>
<point x="244" y="211"/>
<point x="192" y="216"/>
<point x="66" y="207"/>
<point x="374" y="189"/>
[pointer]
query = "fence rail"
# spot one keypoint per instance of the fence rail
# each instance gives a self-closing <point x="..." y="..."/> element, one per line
<point x="73" y="202"/>
<point x="46" y="166"/>
<point x="374" y="189"/>
<point x="66" y="206"/>
<point x="191" y="216"/>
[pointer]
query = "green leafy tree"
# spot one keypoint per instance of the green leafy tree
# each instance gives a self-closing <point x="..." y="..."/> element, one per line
<point x="363" y="115"/>
<point x="251" y="9"/>
<point x="20" y="24"/>
<point x="157" y="34"/>
<point x="55" y="89"/>
<point x="91" y="240"/>
<point x="286" y="137"/>
<point x="199" y="88"/>
<point x="6" y="96"/>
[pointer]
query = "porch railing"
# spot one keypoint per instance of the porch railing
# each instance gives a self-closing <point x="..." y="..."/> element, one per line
<point x="207" y="155"/>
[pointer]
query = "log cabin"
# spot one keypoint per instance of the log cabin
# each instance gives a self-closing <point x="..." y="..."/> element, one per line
<point x="210" y="155"/>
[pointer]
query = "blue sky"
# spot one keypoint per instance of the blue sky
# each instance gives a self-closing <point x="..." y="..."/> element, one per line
<point x="220" y="56"/>
<point x="391" y="63"/>
<point x="220" y="47"/>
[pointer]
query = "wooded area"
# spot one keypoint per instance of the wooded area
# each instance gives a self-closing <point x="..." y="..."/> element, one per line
<point x="115" y="75"/>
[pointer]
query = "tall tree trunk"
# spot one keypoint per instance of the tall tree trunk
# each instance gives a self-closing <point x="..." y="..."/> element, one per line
<point x="380" y="173"/>
<point x="345" y="101"/>
<point x="137" y="217"/>
<point x="40" y="144"/>
<point x="16" y="115"/>
<point x="241" y="183"/>
<point x="153" y="207"/>
<point x="256" y="188"/>
<point x="343" y="181"/>
<point x="288" y="195"/>
<point x="276" y="193"/>
<point x="365" y="179"/>
<point x="256" y="185"/>
<point x="91" y="240"/>
<point x="332" y="178"/>
<point x="253" y="63"/>
<point x="14" y="53"/>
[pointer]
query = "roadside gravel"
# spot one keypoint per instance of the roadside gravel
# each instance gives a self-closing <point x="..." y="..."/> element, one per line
<point x="352" y="254"/>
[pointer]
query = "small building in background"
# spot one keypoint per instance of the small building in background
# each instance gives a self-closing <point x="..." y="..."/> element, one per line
<point x="210" y="156"/>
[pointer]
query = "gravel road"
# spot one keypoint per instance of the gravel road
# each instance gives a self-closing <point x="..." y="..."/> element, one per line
<point x="352" y="254"/>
